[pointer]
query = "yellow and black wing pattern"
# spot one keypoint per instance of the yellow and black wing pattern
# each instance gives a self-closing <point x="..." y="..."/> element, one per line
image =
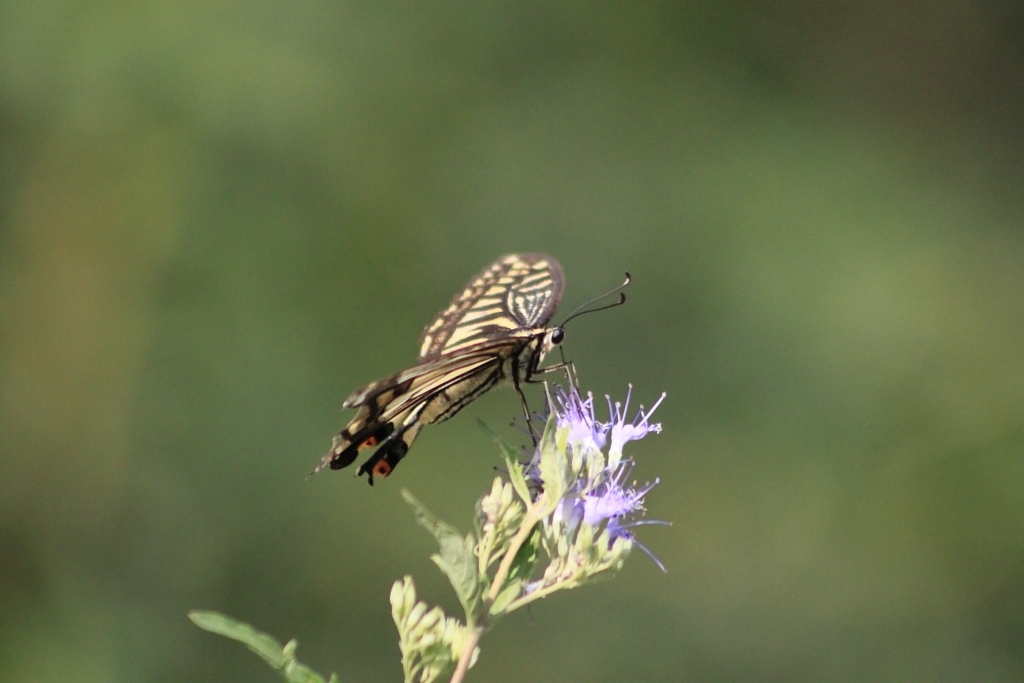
<point x="493" y="332"/>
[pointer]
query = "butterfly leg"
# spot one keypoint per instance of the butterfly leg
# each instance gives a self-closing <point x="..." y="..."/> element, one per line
<point x="526" y="411"/>
<point x="566" y="367"/>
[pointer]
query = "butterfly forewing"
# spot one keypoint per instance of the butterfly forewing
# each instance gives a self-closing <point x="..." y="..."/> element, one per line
<point x="516" y="293"/>
<point x="492" y="332"/>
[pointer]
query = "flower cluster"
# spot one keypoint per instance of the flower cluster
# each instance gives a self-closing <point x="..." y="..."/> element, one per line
<point x="563" y="520"/>
<point x="593" y="507"/>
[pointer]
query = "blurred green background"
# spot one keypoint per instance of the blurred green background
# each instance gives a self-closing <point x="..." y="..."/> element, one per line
<point x="219" y="218"/>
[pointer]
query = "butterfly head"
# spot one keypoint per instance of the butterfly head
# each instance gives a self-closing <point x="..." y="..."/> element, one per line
<point x="553" y="337"/>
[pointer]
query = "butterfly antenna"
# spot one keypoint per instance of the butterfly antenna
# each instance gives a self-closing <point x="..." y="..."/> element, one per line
<point x="622" y="299"/>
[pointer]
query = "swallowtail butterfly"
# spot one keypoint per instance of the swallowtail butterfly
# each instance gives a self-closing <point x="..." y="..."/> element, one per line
<point x="494" y="332"/>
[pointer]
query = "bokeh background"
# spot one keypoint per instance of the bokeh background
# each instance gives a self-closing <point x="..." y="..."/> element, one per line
<point x="219" y="218"/>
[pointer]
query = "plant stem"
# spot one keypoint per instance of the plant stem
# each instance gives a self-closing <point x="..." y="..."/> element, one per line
<point x="533" y="515"/>
<point x="467" y="653"/>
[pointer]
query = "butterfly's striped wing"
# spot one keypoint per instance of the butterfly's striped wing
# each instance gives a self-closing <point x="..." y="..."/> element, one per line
<point x="399" y="401"/>
<point x="517" y="292"/>
<point x="471" y="346"/>
<point x="395" y="395"/>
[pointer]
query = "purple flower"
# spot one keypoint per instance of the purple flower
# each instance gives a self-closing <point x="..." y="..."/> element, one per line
<point x="610" y="499"/>
<point x="617" y="529"/>
<point x="599" y="495"/>
<point x="623" y="431"/>
<point x="614" y="504"/>
<point x="576" y="415"/>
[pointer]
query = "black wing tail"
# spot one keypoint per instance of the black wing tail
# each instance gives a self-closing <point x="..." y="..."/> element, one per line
<point x="393" y="445"/>
<point x="394" y="448"/>
<point x="346" y="446"/>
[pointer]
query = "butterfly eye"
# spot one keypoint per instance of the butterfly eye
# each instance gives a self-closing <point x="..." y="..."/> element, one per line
<point x="557" y="335"/>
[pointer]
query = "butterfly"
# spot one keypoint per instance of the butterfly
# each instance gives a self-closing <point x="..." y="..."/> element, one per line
<point x="494" y="332"/>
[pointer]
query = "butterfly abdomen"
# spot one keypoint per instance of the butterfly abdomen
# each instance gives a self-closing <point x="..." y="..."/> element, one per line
<point x="449" y="402"/>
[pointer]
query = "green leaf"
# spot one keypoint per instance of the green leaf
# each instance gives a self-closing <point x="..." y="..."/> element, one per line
<point x="509" y="592"/>
<point x="456" y="558"/>
<point x="522" y="568"/>
<point x="553" y="464"/>
<point x="294" y="672"/>
<point x="277" y="656"/>
<point x="262" y="644"/>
